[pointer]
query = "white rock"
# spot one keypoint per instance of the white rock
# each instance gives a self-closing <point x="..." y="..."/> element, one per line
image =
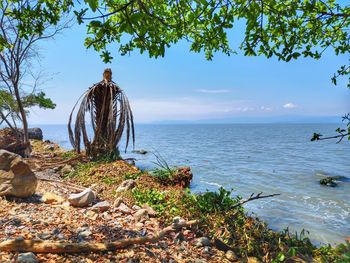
<point x="126" y="185"/>
<point x="82" y="199"/>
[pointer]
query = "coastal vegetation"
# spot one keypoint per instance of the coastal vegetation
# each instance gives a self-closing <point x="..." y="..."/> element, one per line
<point x="219" y="216"/>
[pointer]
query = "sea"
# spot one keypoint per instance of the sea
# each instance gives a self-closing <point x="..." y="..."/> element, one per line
<point x="254" y="158"/>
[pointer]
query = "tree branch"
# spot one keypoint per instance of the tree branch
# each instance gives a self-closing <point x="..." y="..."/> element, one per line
<point x="253" y="197"/>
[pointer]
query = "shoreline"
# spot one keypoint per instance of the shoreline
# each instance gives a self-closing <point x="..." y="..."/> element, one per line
<point x="229" y="229"/>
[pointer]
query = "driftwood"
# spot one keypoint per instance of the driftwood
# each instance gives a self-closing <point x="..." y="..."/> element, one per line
<point x="45" y="246"/>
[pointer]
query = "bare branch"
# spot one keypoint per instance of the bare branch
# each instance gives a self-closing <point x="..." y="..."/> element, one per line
<point x="253" y="197"/>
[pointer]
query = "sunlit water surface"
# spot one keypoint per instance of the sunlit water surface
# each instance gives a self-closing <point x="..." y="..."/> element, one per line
<point x="272" y="158"/>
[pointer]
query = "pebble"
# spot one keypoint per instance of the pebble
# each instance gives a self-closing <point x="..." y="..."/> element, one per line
<point x="117" y="202"/>
<point x="126" y="185"/>
<point x="202" y="242"/>
<point x="230" y="255"/>
<point x="206" y="249"/>
<point x="101" y="206"/>
<point x="141" y="215"/>
<point x="44" y="236"/>
<point x="136" y="207"/>
<point x="27" y="258"/>
<point x="124" y="209"/>
<point x="84" y="234"/>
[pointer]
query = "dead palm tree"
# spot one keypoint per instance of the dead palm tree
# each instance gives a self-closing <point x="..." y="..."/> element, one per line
<point x="110" y="115"/>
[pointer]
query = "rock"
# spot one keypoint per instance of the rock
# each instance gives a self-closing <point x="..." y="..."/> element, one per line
<point x="141" y="215"/>
<point x="35" y="134"/>
<point x="49" y="147"/>
<point x="230" y="255"/>
<point x="27" y="258"/>
<point x="126" y="185"/>
<point x="253" y="260"/>
<point x="207" y="249"/>
<point x="44" y="236"/>
<point x="141" y="151"/>
<point x="328" y="181"/>
<point x="150" y="210"/>
<point x="66" y="169"/>
<point x="124" y="209"/>
<point x="117" y="202"/>
<point x="12" y="141"/>
<point x="91" y="214"/>
<point x="51" y="198"/>
<point x="84" y="234"/>
<point x="202" y="242"/>
<point x="16" y="178"/>
<point x="101" y="206"/>
<point x="82" y="199"/>
<point x="135" y="207"/>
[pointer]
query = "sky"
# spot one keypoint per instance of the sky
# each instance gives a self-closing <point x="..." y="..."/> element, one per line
<point x="183" y="86"/>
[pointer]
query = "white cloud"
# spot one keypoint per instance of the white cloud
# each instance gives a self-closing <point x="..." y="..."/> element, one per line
<point x="290" y="105"/>
<point x="264" y="108"/>
<point x="213" y="91"/>
<point x="150" y="109"/>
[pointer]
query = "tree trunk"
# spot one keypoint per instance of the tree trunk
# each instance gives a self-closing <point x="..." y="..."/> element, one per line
<point x="24" y="120"/>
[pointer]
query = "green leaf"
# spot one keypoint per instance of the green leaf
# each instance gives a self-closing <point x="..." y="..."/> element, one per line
<point x="93" y="4"/>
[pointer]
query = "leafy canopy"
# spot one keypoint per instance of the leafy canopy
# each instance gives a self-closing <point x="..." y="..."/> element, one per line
<point x="287" y="29"/>
<point x="9" y="104"/>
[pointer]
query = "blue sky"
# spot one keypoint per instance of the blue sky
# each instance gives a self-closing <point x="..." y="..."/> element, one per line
<point x="184" y="86"/>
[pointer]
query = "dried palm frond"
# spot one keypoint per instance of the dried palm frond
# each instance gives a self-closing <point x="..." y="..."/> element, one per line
<point x="110" y="115"/>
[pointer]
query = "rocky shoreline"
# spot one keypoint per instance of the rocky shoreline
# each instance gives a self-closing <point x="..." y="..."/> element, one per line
<point x="82" y="202"/>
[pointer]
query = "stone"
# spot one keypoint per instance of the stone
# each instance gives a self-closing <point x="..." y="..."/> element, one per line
<point x="206" y="249"/>
<point x="253" y="260"/>
<point x="84" y="234"/>
<point x="141" y="215"/>
<point x="82" y="199"/>
<point x="117" y="202"/>
<point x="101" y="206"/>
<point x="136" y="207"/>
<point x="230" y="255"/>
<point x="26" y="258"/>
<point x="126" y="185"/>
<point x="16" y="178"/>
<point x="66" y="169"/>
<point x="141" y="151"/>
<point x="124" y="209"/>
<point x="51" y="198"/>
<point x="35" y="134"/>
<point x="49" y="147"/>
<point x="202" y="242"/>
<point x="12" y="141"/>
<point x="150" y="210"/>
<point x="91" y="214"/>
<point x="44" y="235"/>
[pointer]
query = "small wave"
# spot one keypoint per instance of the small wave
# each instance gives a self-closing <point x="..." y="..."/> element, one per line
<point x="210" y="183"/>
